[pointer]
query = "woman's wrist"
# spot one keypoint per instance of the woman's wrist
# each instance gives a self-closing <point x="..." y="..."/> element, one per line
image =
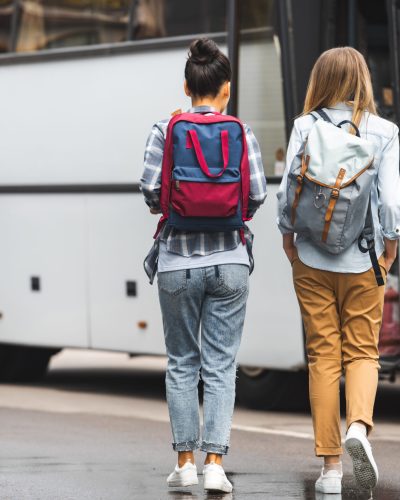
<point x="390" y="252"/>
<point x="288" y="241"/>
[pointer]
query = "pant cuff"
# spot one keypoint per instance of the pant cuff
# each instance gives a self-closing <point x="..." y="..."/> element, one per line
<point x="219" y="449"/>
<point x="324" y="452"/>
<point x="186" y="445"/>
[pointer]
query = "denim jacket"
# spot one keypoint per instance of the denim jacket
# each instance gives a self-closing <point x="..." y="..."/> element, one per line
<point x="385" y="195"/>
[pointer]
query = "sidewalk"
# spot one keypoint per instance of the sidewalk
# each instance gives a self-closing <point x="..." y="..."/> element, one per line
<point x="56" y="456"/>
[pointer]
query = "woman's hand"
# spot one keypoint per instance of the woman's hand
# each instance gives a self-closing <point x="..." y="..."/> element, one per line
<point x="292" y="255"/>
<point x="289" y="247"/>
<point x="390" y="253"/>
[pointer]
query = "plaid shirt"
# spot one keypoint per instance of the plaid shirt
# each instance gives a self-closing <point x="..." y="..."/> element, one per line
<point x="196" y="243"/>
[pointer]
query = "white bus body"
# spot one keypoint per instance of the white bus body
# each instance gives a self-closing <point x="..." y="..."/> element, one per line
<point x="84" y="121"/>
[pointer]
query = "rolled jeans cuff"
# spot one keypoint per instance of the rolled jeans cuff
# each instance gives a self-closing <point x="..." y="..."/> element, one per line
<point x="219" y="449"/>
<point x="186" y="445"/>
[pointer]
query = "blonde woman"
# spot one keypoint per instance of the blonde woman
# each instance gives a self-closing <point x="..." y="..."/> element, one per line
<point x="340" y="301"/>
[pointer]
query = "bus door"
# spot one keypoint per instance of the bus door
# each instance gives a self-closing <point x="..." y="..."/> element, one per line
<point x="390" y="333"/>
<point x="373" y="29"/>
<point x="393" y="13"/>
<point x="306" y="30"/>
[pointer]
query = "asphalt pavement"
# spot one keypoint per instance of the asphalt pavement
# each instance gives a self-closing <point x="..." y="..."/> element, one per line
<point x="97" y="428"/>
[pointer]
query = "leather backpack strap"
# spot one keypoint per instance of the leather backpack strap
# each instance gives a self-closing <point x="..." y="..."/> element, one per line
<point x="332" y="203"/>
<point x="305" y="160"/>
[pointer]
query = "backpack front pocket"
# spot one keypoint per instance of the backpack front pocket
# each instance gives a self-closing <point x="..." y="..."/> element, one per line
<point x="205" y="199"/>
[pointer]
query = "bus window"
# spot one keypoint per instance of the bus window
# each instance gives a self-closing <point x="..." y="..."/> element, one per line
<point x="372" y="32"/>
<point x="255" y="14"/>
<point x="260" y="84"/>
<point x="148" y="19"/>
<point x="6" y="13"/>
<point x="52" y="24"/>
<point x="367" y="31"/>
<point x="154" y="18"/>
<point x="183" y="17"/>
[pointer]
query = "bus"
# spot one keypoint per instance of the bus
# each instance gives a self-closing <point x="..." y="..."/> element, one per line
<point x="81" y="84"/>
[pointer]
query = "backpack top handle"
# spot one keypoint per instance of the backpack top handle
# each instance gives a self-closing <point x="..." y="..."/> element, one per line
<point x="326" y="118"/>
<point x="352" y="124"/>
<point x="200" y="156"/>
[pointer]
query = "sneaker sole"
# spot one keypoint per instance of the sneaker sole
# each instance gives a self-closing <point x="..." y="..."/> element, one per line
<point x="183" y="484"/>
<point x="332" y="496"/>
<point x="210" y="486"/>
<point x="329" y="487"/>
<point x="363" y="469"/>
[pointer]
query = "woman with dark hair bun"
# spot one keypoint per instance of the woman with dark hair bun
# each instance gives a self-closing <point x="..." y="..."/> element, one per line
<point x="207" y="69"/>
<point x="202" y="256"/>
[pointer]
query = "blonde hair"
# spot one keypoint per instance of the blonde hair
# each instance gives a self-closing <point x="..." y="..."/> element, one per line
<point x="340" y="75"/>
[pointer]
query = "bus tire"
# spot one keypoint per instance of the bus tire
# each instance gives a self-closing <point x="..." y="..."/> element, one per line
<point x="23" y="363"/>
<point x="261" y="389"/>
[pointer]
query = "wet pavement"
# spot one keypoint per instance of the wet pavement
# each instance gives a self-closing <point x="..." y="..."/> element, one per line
<point x="93" y="434"/>
<point x="77" y="456"/>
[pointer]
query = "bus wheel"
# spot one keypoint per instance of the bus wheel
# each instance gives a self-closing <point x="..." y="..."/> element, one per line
<point x="261" y="389"/>
<point x="23" y="363"/>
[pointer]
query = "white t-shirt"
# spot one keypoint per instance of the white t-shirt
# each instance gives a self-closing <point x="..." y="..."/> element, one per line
<point x="168" y="261"/>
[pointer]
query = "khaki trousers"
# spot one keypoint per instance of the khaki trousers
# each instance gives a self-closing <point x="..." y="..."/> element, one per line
<point x="342" y="315"/>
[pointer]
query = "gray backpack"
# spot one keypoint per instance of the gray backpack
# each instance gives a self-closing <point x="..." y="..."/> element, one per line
<point x="329" y="187"/>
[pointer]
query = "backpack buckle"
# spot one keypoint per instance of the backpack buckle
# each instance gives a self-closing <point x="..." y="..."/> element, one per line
<point x="300" y="178"/>
<point x="335" y="193"/>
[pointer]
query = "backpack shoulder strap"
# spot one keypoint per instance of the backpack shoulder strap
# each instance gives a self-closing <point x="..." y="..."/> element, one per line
<point x="320" y="113"/>
<point x="368" y="234"/>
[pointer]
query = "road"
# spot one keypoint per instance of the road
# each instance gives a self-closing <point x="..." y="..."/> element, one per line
<point x="97" y="428"/>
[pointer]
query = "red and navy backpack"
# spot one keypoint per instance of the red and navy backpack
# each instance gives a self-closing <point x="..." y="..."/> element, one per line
<point x="205" y="179"/>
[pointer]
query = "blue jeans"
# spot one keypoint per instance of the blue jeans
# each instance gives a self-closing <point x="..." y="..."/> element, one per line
<point x="213" y="298"/>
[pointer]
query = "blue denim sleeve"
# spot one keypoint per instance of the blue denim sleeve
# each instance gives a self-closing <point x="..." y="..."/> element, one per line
<point x="389" y="188"/>
<point x="295" y="142"/>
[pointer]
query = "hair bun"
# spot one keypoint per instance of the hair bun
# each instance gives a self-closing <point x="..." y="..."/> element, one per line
<point x="203" y="51"/>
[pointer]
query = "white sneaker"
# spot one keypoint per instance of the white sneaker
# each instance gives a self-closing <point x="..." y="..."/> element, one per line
<point x="215" y="478"/>
<point x="330" y="482"/>
<point x="329" y="496"/>
<point x="364" y="466"/>
<point x="183" y="476"/>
